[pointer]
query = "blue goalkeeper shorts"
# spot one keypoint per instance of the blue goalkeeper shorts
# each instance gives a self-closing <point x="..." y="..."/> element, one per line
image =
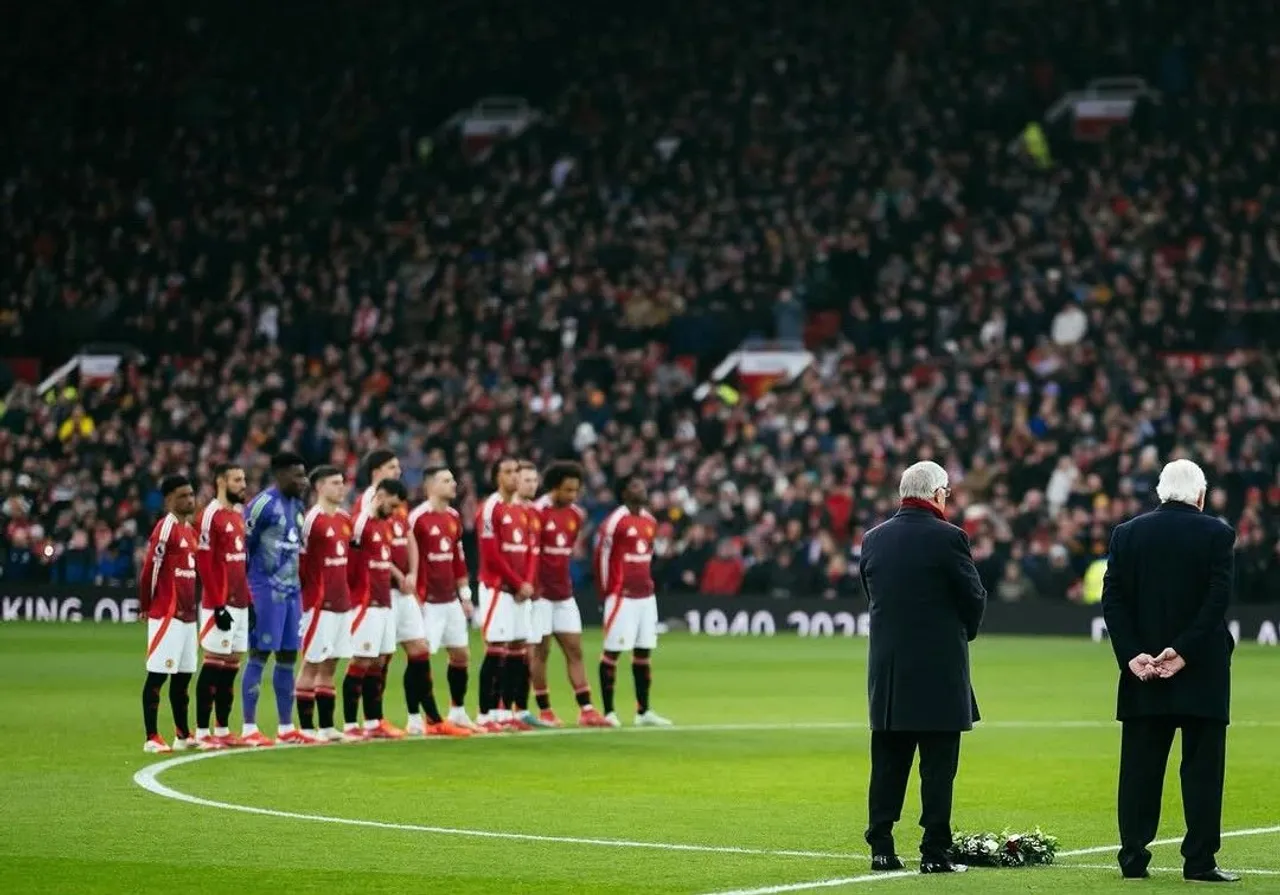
<point x="277" y="623"/>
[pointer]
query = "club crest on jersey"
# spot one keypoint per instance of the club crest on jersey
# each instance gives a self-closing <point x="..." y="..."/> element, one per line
<point x="573" y="526"/>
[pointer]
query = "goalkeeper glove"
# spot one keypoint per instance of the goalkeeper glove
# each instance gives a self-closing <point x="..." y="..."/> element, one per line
<point x="222" y="618"/>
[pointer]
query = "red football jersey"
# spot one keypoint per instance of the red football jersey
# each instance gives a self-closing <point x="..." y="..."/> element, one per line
<point x="441" y="562"/>
<point x="399" y="529"/>
<point x="504" y="548"/>
<point x="370" y="570"/>
<point x="561" y="527"/>
<point x="533" y="537"/>
<point x="322" y="564"/>
<point x="167" y="582"/>
<point x="220" y="558"/>
<point x="624" y="554"/>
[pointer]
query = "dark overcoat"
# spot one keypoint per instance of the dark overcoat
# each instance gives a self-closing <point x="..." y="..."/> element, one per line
<point x="926" y="605"/>
<point x="1168" y="583"/>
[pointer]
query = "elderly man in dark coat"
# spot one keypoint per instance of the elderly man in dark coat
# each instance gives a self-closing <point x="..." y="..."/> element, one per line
<point x="926" y="605"/>
<point x="1164" y="598"/>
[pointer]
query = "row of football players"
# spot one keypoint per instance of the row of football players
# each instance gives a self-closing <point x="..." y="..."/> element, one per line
<point x="278" y="581"/>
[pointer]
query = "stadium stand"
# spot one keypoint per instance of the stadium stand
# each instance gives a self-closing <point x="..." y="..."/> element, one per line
<point x="270" y="216"/>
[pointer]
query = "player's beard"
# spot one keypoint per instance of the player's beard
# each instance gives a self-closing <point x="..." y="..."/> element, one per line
<point x="236" y="498"/>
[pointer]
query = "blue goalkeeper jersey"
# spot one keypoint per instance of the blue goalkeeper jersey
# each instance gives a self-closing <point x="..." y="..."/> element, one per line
<point x="273" y="539"/>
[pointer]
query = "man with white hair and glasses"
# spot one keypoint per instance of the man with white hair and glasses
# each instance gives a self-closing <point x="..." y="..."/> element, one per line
<point x="926" y="605"/>
<point x="1164" y="598"/>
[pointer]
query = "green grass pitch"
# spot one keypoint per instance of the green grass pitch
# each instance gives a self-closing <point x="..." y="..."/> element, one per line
<point x="768" y="796"/>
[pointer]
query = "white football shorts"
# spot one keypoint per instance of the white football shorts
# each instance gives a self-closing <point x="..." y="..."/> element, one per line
<point x="555" y="617"/>
<point x="373" y="632"/>
<point x="171" y="646"/>
<point x="445" y="625"/>
<point x="497" y="615"/>
<point x="225" y="643"/>
<point x="630" y="623"/>
<point x="408" y="617"/>
<point x="325" y="635"/>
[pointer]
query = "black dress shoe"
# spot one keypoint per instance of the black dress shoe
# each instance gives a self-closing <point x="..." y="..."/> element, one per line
<point x="886" y="862"/>
<point x="943" y="866"/>
<point x="1212" y="876"/>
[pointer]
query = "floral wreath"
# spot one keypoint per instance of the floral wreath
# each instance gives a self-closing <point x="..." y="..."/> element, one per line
<point x="1006" y="849"/>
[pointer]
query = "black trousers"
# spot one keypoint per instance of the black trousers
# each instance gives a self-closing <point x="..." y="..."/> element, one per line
<point x="892" y="753"/>
<point x="1144" y="755"/>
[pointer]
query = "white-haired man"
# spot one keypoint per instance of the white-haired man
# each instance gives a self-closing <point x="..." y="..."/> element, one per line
<point x="1164" y="598"/>
<point x="926" y="605"/>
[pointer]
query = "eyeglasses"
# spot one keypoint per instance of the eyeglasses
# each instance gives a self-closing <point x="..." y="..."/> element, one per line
<point x="946" y="490"/>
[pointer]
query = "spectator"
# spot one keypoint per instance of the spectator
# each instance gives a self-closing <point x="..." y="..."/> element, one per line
<point x="1015" y="585"/>
<point x="1055" y="579"/>
<point x="76" y="564"/>
<point x="315" y="266"/>
<point x="722" y="574"/>
<point x="21" y="564"/>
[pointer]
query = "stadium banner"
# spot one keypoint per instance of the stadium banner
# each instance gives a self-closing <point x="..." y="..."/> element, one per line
<point x="66" y="603"/>
<point x="764" y="617"/>
<point x="704" y="616"/>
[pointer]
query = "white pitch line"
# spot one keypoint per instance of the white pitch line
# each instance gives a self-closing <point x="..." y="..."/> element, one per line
<point x="1116" y="867"/>
<point x="818" y="884"/>
<point x="147" y="778"/>
<point x="1230" y="834"/>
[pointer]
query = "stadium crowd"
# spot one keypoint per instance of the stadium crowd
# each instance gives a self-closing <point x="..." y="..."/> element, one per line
<point x="307" y="264"/>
